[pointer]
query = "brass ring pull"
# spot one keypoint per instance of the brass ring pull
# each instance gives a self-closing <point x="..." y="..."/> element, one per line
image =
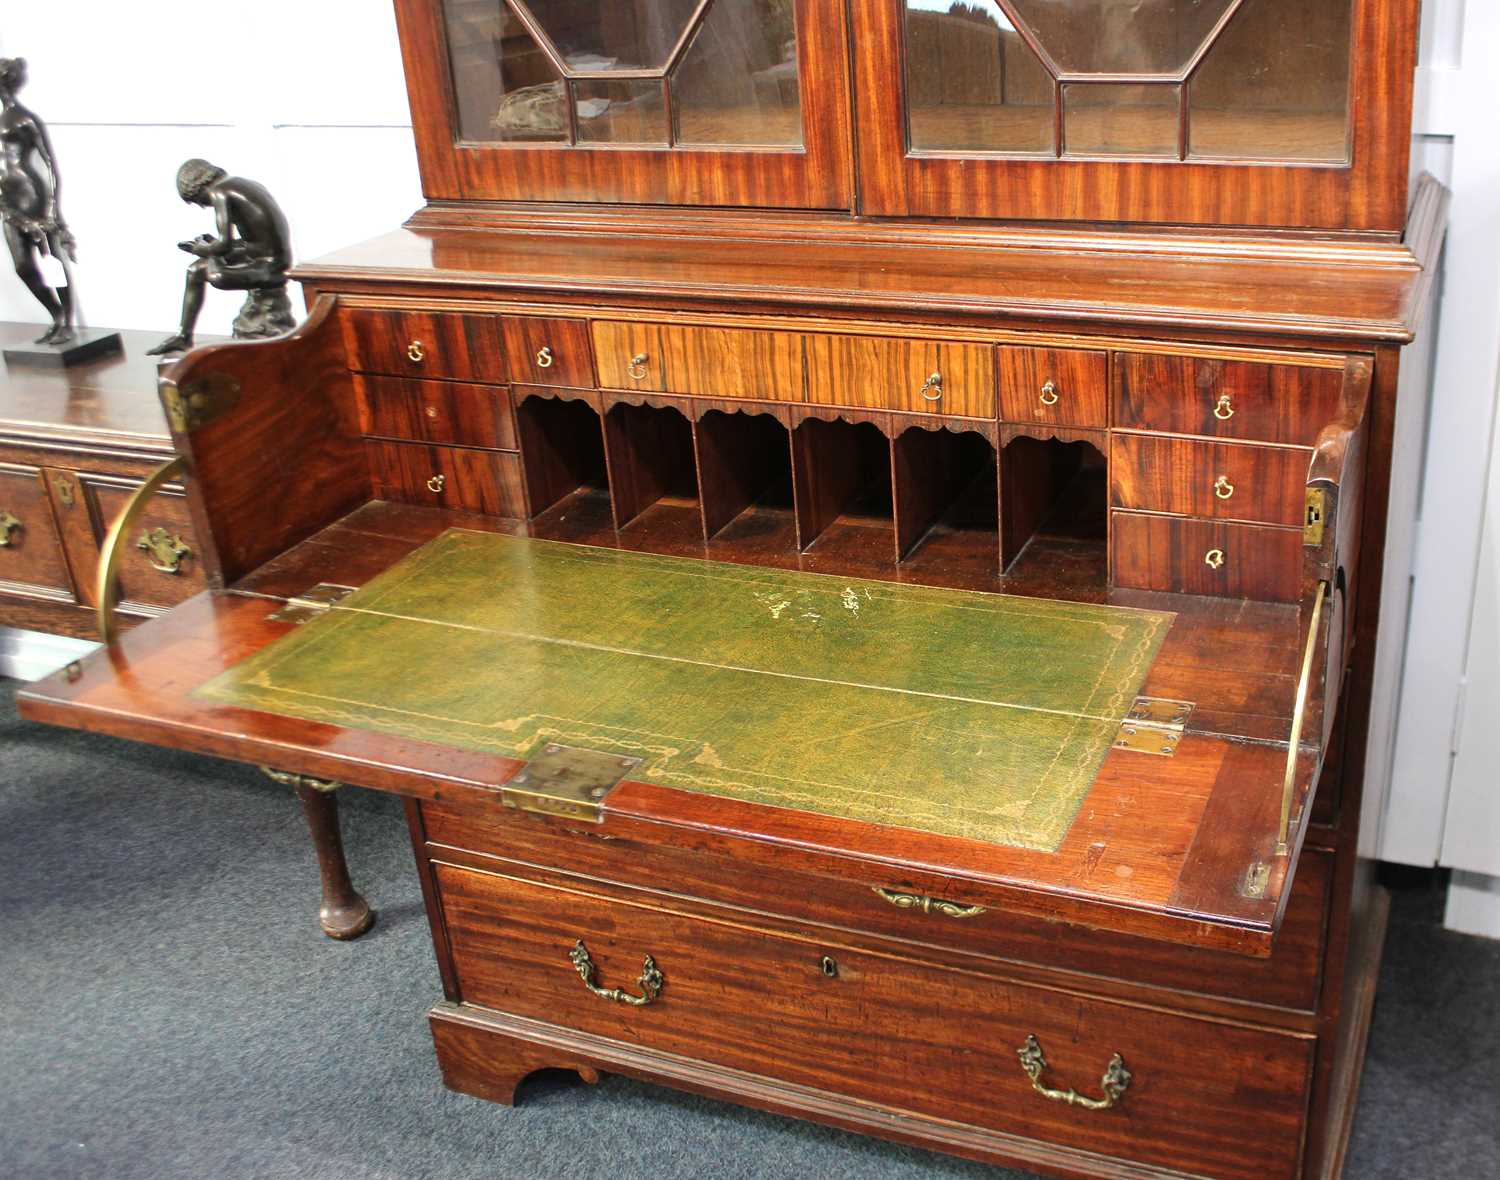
<point x="1223" y="489"/>
<point x="928" y="905"/>
<point x="650" y="981"/>
<point x="637" y="369"/>
<point x="415" y="352"/>
<point x="934" y="382"/>
<point x="106" y="584"/>
<point x="1049" y="394"/>
<point x="8" y="524"/>
<point x="435" y="484"/>
<point x="544" y="358"/>
<point x="1116" y="1079"/>
<point x="1214" y="559"/>
<point x="1224" y="409"/>
<point x="164" y="551"/>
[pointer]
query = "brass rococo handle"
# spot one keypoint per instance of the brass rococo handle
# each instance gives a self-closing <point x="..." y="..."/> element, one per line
<point x="8" y="524"/>
<point x="106" y="582"/>
<point x="164" y="551"/>
<point x="637" y="369"/>
<point x="650" y="982"/>
<point x="544" y="358"/>
<point x="1049" y="394"/>
<point x="415" y="352"/>
<point x="1214" y="559"/>
<point x="1115" y="1082"/>
<point x="1223" y="489"/>
<point x="1224" y="408"/>
<point x="935" y="383"/>
<point x="436" y="483"/>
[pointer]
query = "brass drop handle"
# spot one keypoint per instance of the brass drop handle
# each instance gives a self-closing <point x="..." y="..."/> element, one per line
<point x="1223" y="489"/>
<point x="544" y="358"/>
<point x="435" y="484"/>
<point x="415" y="352"/>
<point x="1049" y="394"/>
<point x="928" y="905"/>
<point x="932" y="388"/>
<point x="1115" y="1082"/>
<point x="637" y="369"/>
<point x="1214" y="559"/>
<point x="1224" y="408"/>
<point x="650" y="982"/>
<point x="8" y="524"/>
<point x="164" y="551"/>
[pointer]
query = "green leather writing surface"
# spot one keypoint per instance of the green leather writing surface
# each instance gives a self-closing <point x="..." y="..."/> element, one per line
<point x="968" y="714"/>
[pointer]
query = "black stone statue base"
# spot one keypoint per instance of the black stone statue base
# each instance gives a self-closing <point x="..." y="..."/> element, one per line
<point x="87" y="344"/>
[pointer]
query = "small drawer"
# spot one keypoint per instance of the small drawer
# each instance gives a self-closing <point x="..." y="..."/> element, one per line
<point x="548" y="351"/>
<point x="488" y="482"/>
<point x="161" y="563"/>
<point x="1225" y="481"/>
<point x="1287" y="404"/>
<point x="1206" y="1097"/>
<point x="1056" y="386"/>
<point x="629" y="356"/>
<point x="734" y="362"/>
<point x="923" y="376"/>
<point x="30" y="552"/>
<point x="444" y="345"/>
<point x="452" y="412"/>
<point x="1186" y="556"/>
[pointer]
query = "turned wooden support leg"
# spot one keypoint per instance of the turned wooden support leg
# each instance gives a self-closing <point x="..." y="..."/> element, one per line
<point x="344" y="913"/>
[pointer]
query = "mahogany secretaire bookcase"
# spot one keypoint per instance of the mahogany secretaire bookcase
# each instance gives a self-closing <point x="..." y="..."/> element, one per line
<point x="857" y="529"/>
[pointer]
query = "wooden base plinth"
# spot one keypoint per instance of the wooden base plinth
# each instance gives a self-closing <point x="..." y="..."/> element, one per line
<point x="87" y="344"/>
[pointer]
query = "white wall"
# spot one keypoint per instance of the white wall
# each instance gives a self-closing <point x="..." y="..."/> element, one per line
<point x="306" y="98"/>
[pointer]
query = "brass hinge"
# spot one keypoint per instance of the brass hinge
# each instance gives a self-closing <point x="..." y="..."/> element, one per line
<point x="198" y="402"/>
<point x="1317" y="515"/>
<point x="312" y="603"/>
<point x="1257" y="877"/>
<point x="567" y="781"/>
<point x="1153" y="726"/>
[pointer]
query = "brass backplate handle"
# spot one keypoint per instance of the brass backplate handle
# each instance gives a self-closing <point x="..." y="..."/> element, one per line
<point x="1224" y="408"/>
<point x="1115" y="1082"/>
<point x="932" y="388"/>
<point x="650" y="982"/>
<point x="9" y="524"/>
<point x="637" y="369"/>
<point x="164" y="551"/>
<point x="106" y="580"/>
<point x="928" y="905"/>
<point x="1049" y="393"/>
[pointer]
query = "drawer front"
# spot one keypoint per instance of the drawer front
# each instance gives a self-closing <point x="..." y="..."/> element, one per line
<point x="1184" y="556"/>
<point x="1227" y="399"/>
<point x="445" y="345"/>
<point x="922" y="376"/>
<point x="1289" y="978"/>
<point x="1205" y="1096"/>
<point x="734" y="362"/>
<point x="1225" y="481"/>
<point x="451" y="412"/>
<point x="162" y="562"/>
<point x="449" y="477"/>
<point x="30" y="552"/>
<point x="1056" y="386"/>
<point x="629" y="356"/>
<point x="548" y="351"/>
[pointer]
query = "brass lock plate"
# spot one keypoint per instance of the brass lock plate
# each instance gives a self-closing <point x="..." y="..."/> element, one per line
<point x="311" y="603"/>
<point x="1317" y="517"/>
<point x="567" y="781"/>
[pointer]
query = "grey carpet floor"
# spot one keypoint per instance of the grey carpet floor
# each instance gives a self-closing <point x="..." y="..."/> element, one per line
<point x="168" y="1008"/>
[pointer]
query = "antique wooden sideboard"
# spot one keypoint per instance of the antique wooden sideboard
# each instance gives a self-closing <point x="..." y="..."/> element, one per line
<point x="858" y="532"/>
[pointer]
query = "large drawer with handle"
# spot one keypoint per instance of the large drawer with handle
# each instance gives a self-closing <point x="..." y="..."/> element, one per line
<point x="702" y="361"/>
<point x="31" y="554"/>
<point x="1225" y="559"/>
<point x="449" y="477"/>
<point x="1207" y="1097"/>
<point x="1194" y="477"/>
<point x="898" y="373"/>
<point x="453" y="346"/>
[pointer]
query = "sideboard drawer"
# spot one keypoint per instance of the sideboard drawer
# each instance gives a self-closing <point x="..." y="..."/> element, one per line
<point x="447" y="345"/>
<point x="1226" y="481"/>
<point x="1287" y="404"/>
<point x="548" y="351"/>
<point x="1204" y="1096"/>
<point x="449" y="477"/>
<point x="162" y="562"/>
<point x="1185" y="556"/>
<point x="1056" y="386"/>
<point x="884" y="373"/>
<point x="30" y="552"/>
<point x="436" y="411"/>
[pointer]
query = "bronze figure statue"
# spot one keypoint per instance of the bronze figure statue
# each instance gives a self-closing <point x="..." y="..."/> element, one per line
<point x="250" y="252"/>
<point x="29" y="211"/>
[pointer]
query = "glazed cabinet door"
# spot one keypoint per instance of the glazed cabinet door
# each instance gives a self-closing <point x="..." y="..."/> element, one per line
<point x="678" y="102"/>
<point x="1233" y="112"/>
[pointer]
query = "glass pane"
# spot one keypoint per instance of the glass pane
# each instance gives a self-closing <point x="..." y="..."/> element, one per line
<point x="505" y="85"/>
<point x="591" y="36"/>
<point x="1276" y="85"/>
<point x="1102" y="119"/>
<point x="629" y="111"/>
<point x="1121" y="36"/>
<point x="972" y="84"/>
<point x="737" y="83"/>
